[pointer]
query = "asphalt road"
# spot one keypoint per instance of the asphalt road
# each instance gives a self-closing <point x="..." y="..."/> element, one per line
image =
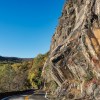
<point x="27" y="97"/>
<point x="24" y="95"/>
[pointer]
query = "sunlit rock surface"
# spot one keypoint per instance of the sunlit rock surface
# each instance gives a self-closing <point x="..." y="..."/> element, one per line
<point x="72" y="71"/>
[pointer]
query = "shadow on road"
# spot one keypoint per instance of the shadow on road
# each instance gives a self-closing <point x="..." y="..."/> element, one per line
<point x="26" y="92"/>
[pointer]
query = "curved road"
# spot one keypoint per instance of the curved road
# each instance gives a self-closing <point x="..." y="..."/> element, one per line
<point x="27" y="97"/>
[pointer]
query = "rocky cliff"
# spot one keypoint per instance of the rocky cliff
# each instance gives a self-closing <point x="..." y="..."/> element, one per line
<point x="72" y="71"/>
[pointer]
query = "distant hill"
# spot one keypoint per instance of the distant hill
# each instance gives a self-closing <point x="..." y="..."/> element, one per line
<point x="13" y="59"/>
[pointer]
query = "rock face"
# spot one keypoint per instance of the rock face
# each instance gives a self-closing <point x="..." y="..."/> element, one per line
<point x="74" y="61"/>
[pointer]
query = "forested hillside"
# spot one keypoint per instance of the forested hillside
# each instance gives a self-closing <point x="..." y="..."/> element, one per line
<point x="17" y="74"/>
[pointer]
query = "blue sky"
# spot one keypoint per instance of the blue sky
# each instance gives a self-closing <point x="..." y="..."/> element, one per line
<point x="26" y="26"/>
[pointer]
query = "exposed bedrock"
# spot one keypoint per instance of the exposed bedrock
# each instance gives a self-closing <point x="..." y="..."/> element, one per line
<point x="74" y="60"/>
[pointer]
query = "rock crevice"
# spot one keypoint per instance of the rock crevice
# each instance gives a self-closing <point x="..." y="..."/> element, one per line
<point x="74" y="60"/>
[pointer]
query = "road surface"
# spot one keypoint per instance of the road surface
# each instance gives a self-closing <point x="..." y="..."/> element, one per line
<point x="27" y="97"/>
<point x="24" y="95"/>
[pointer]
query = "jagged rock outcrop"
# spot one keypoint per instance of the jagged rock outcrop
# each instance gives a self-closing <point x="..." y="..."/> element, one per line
<point x="74" y="61"/>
